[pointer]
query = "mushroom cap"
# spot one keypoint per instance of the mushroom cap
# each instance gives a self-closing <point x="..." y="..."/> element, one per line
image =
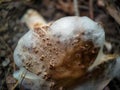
<point x="69" y="45"/>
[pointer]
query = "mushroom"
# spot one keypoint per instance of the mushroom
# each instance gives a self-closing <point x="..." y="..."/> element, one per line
<point x="67" y="54"/>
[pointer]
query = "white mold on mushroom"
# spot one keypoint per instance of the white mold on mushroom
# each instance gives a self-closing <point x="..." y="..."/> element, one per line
<point x="61" y="54"/>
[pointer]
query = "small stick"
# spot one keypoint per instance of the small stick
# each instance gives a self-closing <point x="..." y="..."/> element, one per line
<point x="22" y="77"/>
<point x="13" y="88"/>
<point x="91" y="9"/>
<point x="76" y="9"/>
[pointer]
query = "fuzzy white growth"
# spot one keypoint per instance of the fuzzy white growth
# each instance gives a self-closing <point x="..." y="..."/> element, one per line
<point x="69" y="27"/>
<point x="29" y="80"/>
<point x="25" y="77"/>
<point x="28" y="40"/>
<point x="66" y="29"/>
<point x="23" y="73"/>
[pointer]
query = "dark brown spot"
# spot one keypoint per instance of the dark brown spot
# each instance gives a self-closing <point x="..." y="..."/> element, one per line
<point x="46" y="76"/>
<point x="42" y="57"/>
<point x="51" y="67"/>
<point x="43" y="39"/>
<point x="47" y="38"/>
<point x="49" y="43"/>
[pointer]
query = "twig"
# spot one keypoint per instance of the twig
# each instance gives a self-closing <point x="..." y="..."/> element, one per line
<point x="22" y="77"/>
<point x="13" y="88"/>
<point x="113" y="11"/>
<point x="76" y="9"/>
<point x="91" y="9"/>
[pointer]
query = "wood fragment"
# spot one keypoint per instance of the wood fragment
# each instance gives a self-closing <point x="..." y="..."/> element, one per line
<point x="113" y="11"/>
<point x="76" y="9"/>
<point x="91" y="9"/>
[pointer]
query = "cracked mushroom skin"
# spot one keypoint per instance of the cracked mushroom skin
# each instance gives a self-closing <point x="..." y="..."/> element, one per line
<point x="59" y="55"/>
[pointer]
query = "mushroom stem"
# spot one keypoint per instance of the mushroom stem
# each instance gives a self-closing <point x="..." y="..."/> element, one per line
<point x="33" y="19"/>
